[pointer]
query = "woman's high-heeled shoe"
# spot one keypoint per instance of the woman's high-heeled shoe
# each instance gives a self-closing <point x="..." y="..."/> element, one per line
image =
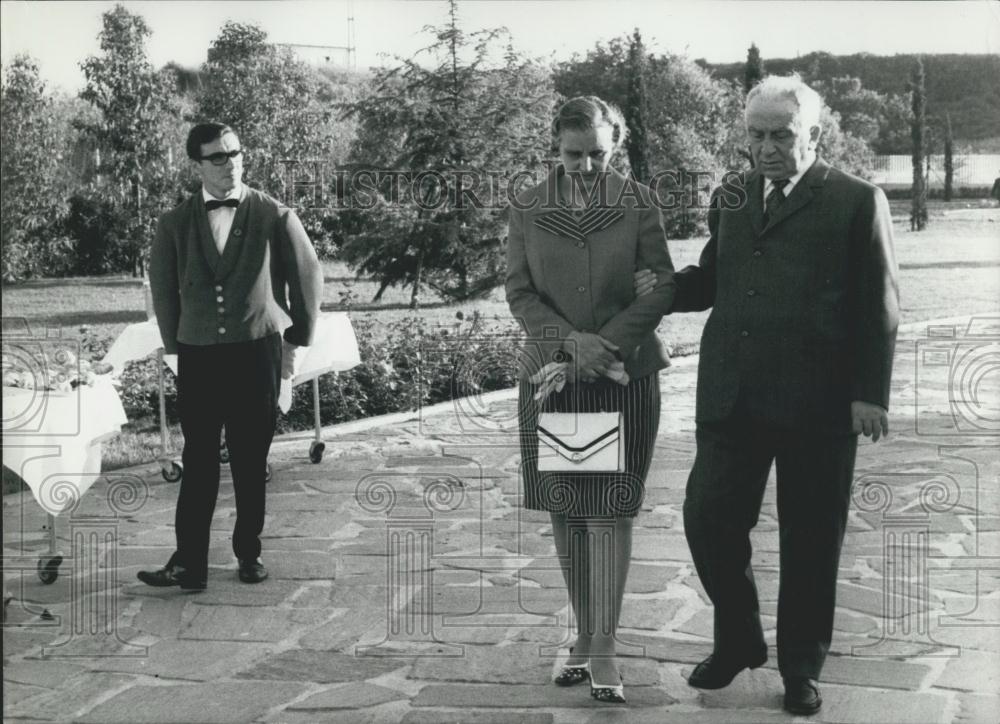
<point x="571" y="675"/>
<point x="608" y="694"/>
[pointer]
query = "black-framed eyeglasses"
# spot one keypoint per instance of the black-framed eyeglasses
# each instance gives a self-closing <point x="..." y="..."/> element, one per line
<point x="220" y="158"/>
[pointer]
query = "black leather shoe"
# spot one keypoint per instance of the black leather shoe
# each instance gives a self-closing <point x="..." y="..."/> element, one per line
<point x="718" y="671"/>
<point x="174" y="575"/>
<point x="802" y="695"/>
<point x="252" y="571"/>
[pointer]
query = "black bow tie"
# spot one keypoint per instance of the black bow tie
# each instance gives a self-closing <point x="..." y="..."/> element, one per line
<point x="213" y="204"/>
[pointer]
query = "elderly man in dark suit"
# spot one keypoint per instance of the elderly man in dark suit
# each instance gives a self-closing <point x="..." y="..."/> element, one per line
<point x="236" y="289"/>
<point x="795" y="362"/>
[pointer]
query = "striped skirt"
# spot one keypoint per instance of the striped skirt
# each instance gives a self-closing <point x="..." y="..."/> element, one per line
<point x="616" y="495"/>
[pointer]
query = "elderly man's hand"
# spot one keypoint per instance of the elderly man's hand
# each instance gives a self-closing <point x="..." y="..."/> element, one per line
<point x="870" y="420"/>
<point x="645" y="282"/>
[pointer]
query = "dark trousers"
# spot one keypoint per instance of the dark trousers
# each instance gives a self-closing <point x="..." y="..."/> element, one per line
<point x="235" y="385"/>
<point x="722" y="504"/>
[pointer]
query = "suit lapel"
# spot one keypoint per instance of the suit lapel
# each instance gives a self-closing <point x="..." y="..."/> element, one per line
<point x="802" y="194"/>
<point x="204" y="231"/>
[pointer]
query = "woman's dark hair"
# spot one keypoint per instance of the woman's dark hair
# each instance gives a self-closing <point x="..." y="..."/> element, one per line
<point x="204" y="133"/>
<point x="585" y="112"/>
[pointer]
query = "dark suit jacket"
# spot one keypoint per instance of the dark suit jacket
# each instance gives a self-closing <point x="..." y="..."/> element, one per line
<point x="268" y="276"/>
<point x="804" y="310"/>
<point x="558" y="283"/>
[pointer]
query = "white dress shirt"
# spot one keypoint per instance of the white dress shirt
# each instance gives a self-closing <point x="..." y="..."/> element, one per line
<point x="221" y="219"/>
<point x="792" y="180"/>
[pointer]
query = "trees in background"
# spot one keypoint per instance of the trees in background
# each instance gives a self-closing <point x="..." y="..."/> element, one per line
<point x="444" y="124"/>
<point x="34" y="181"/>
<point x="753" y="70"/>
<point x="136" y="110"/>
<point x="878" y="119"/>
<point x="270" y="98"/>
<point x="949" y="160"/>
<point x="918" y="207"/>
<point x="636" y="108"/>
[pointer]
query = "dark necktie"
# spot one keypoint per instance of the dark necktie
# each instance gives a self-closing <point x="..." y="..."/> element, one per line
<point x="775" y="198"/>
<point x="213" y="204"/>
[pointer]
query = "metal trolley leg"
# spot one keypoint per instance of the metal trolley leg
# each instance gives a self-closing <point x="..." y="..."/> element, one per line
<point x="48" y="565"/>
<point x="171" y="469"/>
<point x="318" y="446"/>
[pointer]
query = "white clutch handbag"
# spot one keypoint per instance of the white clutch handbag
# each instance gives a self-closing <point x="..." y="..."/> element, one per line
<point x="581" y="442"/>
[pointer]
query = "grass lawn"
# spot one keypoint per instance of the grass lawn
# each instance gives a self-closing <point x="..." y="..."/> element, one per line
<point x="950" y="268"/>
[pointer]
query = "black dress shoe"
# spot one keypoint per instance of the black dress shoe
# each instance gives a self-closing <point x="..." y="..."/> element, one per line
<point x="802" y="695"/>
<point x="174" y="575"/>
<point x="717" y="671"/>
<point x="252" y="571"/>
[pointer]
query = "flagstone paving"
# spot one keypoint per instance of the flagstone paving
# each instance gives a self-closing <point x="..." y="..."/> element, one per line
<point x="407" y="584"/>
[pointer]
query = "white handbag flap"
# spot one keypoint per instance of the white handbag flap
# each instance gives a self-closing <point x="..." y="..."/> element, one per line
<point x="577" y="437"/>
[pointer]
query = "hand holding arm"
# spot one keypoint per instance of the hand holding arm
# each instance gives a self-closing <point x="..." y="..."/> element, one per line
<point x="592" y="354"/>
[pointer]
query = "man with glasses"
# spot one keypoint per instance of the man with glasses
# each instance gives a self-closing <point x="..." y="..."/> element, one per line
<point x="236" y="289"/>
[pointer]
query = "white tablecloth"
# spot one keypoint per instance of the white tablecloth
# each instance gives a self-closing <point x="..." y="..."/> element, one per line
<point x="53" y="439"/>
<point x="334" y="348"/>
<point x="137" y="341"/>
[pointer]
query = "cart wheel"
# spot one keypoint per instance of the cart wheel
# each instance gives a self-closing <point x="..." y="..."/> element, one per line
<point x="316" y="451"/>
<point x="268" y="473"/>
<point x="175" y="473"/>
<point x="223" y="453"/>
<point x="48" y="569"/>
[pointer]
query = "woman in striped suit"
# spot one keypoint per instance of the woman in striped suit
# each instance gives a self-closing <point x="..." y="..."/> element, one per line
<point x="576" y="242"/>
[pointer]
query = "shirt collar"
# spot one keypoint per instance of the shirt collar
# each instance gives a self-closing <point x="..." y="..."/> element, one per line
<point x="792" y="180"/>
<point x="236" y="193"/>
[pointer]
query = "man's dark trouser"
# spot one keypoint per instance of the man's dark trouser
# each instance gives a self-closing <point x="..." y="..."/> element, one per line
<point x="235" y="385"/>
<point x="724" y="494"/>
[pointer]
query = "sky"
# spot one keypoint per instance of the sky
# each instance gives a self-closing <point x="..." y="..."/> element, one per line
<point x="61" y="34"/>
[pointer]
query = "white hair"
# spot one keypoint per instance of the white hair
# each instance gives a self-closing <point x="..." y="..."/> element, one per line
<point x="777" y="88"/>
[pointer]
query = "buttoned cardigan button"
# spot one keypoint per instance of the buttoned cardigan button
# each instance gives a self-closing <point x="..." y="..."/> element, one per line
<point x="744" y="333"/>
<point x="751" y="292"/>
<point x="758" y="252"/>
<point x="218" y="287"/>
<point x="581" y="289"/>
<point x="219" y="299"/>
<point x="222" y="330"/>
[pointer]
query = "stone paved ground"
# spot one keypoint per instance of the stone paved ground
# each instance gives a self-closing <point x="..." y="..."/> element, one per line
<point x="408" y="586"/>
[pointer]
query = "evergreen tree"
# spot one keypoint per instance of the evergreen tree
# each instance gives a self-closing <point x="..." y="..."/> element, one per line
<point x="918" y="209"/>
<point x="447" y="123"/>
<point x="753" y="71"/>
<point x="949" y="160"/>
<point x="635" y="108"/>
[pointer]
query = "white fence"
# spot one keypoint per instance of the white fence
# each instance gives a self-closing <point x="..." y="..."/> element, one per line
<point x="977" y="170"/>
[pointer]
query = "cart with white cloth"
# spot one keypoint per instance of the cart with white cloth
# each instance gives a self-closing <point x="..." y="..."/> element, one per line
<point x="52" y="440"/>
<point x="334" y="349"/>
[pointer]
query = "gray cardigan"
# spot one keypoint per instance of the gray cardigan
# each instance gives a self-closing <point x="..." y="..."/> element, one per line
<point x="267" y="279"/>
